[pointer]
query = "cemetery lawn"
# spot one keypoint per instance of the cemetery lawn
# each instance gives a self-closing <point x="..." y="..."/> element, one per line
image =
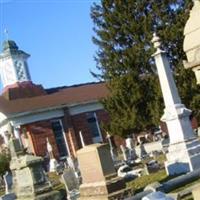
<point x="160" y="159"/>
<point x="138" y="184"/>
<point x="2" y="192"/>
<point x="55" y="181"/>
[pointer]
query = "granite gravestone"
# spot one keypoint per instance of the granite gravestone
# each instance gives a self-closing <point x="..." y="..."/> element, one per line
<point x="99" y="178"/>
<point x="142" y="152"/>
<point x="131" y="149"/>
<point x="29" y="179"/>
<point x="71" y="184"/>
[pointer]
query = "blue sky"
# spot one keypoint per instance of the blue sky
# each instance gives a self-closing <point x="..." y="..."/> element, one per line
<point x="57" y="34"/>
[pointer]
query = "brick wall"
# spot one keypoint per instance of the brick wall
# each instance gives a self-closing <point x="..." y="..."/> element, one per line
<point x="80" y="124"/>
<point x="70" y="133"/>
<point x="38" y="132"/>
<point x="194" y="123"/>
<point x="24" y="89"/>
<point x="103" y="118"/>
<point x="74" y="124"/>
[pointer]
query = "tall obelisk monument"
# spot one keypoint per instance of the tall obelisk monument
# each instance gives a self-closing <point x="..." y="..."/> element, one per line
<point x="184" y="148"/>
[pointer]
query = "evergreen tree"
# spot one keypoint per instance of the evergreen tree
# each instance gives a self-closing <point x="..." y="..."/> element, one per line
<point x="124" y="30"/>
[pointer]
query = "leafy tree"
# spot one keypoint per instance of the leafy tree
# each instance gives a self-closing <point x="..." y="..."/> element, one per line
<point x="124" y="30"/>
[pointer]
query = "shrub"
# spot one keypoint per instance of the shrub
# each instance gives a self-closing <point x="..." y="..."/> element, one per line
<point x="4" y="163"/>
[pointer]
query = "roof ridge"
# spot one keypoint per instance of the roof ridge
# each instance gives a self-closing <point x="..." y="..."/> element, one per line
<point x="59" y="88"/>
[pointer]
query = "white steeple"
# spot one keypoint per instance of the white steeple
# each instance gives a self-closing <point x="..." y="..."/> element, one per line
<point x="13" y="64"/>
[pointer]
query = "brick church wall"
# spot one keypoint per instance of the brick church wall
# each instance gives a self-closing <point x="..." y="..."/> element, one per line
<point x="80" y="123"/>
<point x="70" y="133"/>
<point x="103" y="118"/>
<point x="39" y="132"/>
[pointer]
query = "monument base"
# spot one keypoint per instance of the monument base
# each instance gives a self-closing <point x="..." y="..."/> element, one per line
<point x="183" y="157"/>
<point x="110" y="189"/>
<point x="52" y="195"/>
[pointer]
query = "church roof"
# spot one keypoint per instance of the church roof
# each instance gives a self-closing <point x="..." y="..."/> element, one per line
<point x="62" y="97"/>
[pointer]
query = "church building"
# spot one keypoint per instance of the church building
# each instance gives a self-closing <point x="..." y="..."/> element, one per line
<point x="59" y="114"/>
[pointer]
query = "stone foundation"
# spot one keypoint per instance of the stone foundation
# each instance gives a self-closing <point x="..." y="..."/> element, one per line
<point x="52" y="195"/>
<point x="113" y="188"/>
<point x="183" y="157"/>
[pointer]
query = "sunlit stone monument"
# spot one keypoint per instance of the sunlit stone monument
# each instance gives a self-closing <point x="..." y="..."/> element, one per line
<point x="191" y="44"/>
<point x="184" y="148"/>
<point x="99" y="178"/>
<point x="29" y="179"/>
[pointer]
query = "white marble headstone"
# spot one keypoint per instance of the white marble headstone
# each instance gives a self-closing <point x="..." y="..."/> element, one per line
<point x="123" y="149"/>
<point x="157" y="196"/>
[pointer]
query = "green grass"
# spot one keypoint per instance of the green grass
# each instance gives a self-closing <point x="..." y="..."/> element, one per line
<point x="2" y="192"/>
<point x="57" y="185"/>
<point x="55" y="180"/>
<point x="161" y="158"/>
<point x="138" y="184"/>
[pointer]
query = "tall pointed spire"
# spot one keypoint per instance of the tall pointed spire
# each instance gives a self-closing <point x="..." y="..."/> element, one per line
<point x="6" y="34"/>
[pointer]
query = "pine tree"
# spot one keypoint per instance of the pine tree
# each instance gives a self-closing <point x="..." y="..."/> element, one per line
<point x="124" y="30"/>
